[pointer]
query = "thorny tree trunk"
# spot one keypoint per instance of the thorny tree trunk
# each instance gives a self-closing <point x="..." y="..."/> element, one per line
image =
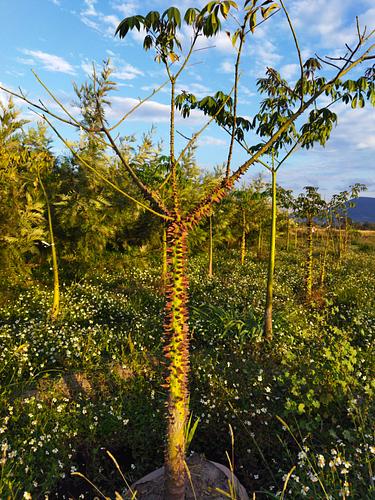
<point x="267" y="328"/>
<point x="177" y="354"/>
<point x="309" y="261"/>
<point x="165" y="265"/>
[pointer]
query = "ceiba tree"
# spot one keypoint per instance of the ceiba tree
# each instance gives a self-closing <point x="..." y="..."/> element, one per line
<point x="309" y="205"/>
<point x="286" y="104"/>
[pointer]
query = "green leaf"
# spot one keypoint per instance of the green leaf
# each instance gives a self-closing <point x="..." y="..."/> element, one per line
<point x="350" y="85"/>
<point x="224" y="9"/>
<point x="190" y="16"/>
<point x="173" y="15"/>
<point x="251" y="6"/>
<point x="362" y="83"/>
<point x="209" y="7"/>
<point x="266" y="12"/>
<point x="152" y="19"/>
<point x="147" y="42"/>
<point x="123" y="28"/>
<point x="129" y="23"/>
<point x="235" y="36"/>
<point x="253" y="21"/>
<point x="212" y="25"/>
<point x="214" y="20"/>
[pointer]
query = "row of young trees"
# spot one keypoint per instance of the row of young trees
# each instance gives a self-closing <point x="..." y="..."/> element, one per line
<point x="104" y="162"/>
<point x="48" y="198"/>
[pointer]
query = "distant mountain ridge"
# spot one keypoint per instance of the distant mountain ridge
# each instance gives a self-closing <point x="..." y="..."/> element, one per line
<point x="364" y="210"/>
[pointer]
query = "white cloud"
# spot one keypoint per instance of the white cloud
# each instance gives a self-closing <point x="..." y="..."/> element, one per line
<point x="356" y="128"/>
<point x="87" y="67"/>
<point x="347" y="158"/>
<point x="138" y="36"/>
<point x="367" y="142"/>
<point x="265" y="54"/>
<point x="195" y="88"/>
<point x="208" y="140"/>
<point x="127" y="72"/>
<point x="23" y="60"/>
<point x="126" y="9"/>
<point x="121" y="69"/>
<point x="367" y="18"/>
<point x="332" y="22"/>
<point x="3" y="95"/>
<point x="90" y="8"/>
<point x="246" y="91"/>
<point x="90" y="23"/>
<point x="50" y="62"/>
<point x="149" y="112"/>
<point x="289" y="71"/>
<point x="105" y="24"/>
<point x="223" y="43"/>
<point x="112" y="22"/>
<point x="154" y="86"/>
<point x="226" y="67"/>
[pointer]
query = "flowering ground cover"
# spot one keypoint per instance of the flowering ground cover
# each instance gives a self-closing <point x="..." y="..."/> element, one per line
<point x="301" y="406"/>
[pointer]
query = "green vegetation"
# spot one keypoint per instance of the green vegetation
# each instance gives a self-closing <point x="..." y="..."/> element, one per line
<point x="88" y="366"/>
<point x="92" y="380"/>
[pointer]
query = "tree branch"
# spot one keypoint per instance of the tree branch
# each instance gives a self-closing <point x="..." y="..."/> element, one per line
<point x="134" y="108"/>
<point x="101" y="176"/>
<point x="296" y="45"/>
<point x="235" y="100"/>
<point x="203" y="208"/>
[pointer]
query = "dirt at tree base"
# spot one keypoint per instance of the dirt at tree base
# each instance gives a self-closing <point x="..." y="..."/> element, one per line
<point x="207" y="478"/>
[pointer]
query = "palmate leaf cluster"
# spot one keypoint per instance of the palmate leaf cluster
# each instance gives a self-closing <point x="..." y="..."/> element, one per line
<point x="162" y="29"/>
<point x="309" y="204"/>
<point x="281" y="103"/>
<point x="340" y="203"/>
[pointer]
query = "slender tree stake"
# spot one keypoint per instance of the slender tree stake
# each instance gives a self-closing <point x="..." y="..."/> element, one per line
<point x="243" y="238"/>
<point x="56" y="288"/>
<point x="267" y="328"/>
<point x="210" y="247"/>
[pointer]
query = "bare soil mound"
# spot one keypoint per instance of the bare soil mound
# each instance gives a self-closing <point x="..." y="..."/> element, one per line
<point x="207" y="478"/>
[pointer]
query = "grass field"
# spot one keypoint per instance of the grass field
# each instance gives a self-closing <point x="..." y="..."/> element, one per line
<point x="92" y="382"/>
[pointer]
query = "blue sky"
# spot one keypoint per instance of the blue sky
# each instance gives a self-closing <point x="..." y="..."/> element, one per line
<point x="60" y="39"/>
